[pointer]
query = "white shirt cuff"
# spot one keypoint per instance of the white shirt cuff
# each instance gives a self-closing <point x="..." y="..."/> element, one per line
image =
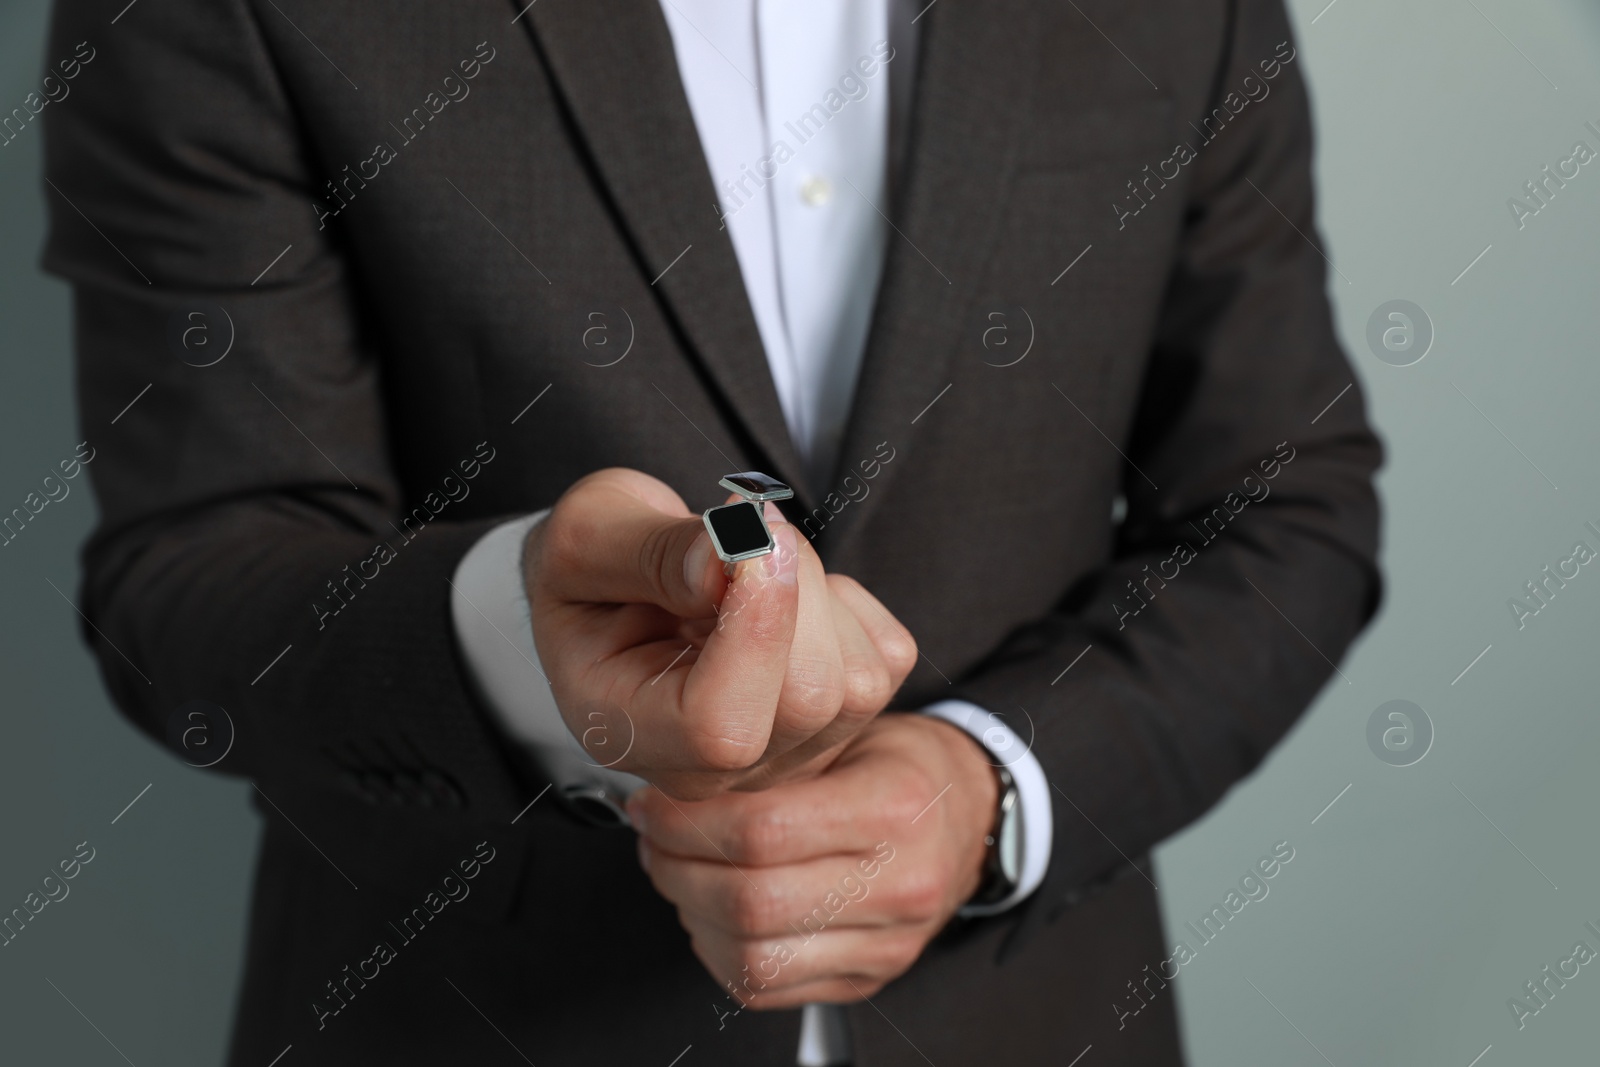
<point x="1034" y="807"/>
<point x="494" y="627"/>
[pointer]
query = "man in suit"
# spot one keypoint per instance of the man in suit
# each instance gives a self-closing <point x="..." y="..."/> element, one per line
<point x="1024" y="303"/>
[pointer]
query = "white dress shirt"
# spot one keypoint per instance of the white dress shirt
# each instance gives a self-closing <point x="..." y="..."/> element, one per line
<point x="791" y="103"/>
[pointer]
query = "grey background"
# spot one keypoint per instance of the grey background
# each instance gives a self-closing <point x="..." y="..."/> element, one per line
<point x="1414" y="906"/>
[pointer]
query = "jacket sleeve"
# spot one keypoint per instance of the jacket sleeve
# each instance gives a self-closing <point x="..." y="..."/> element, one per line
<point x="234" y="399"/>
<point x="1237" y="584"/>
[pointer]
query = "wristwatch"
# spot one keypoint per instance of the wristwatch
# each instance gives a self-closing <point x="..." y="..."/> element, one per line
<point x="1002" y="867"/>
<point x="595" y="805"/>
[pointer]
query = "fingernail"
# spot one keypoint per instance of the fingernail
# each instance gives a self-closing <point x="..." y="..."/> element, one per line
<point x="783" y="562"/>
<point x="770" y="512"/>
<point x="694" y="563"/>
<point x="644" y="854"/>
<point x="635" y="809"/>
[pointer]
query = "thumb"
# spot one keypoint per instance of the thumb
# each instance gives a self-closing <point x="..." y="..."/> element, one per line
<point x="622" y="537"/>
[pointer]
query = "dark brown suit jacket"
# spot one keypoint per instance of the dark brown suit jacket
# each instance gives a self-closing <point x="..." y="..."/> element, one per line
<point x="386" y="326"/>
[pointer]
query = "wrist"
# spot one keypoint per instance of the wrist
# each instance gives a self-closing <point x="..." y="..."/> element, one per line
<point x="975" y="788"/>
<point x="1027" y="830"/>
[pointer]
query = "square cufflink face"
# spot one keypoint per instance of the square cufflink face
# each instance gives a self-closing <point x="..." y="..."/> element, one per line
<point x="755" y="486"/>
<point x="738" y="531"/>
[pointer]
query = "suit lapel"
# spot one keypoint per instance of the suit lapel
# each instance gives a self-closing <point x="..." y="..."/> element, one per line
<point x="617" y="74"/>
<point x="975" y="68"/>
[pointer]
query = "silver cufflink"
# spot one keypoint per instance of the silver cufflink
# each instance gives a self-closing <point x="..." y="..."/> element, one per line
<point x="739" y="530"/>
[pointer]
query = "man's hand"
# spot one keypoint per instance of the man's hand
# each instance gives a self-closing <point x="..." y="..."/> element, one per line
<point x="825" y="889"/>
<point x="705" y="683"/>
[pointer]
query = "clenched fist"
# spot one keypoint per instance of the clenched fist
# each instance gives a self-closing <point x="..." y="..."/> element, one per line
<point x="827" y="889"/>
<point x="721" y="682"/>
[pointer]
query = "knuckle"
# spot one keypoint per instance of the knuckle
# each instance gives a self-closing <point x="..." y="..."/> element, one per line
<point x="813" y="693"/>
<point x="721" y="750"/>
<point x="853" y="719"/>
<point x="758" y="838"/>
<point x="920" y="895"/>
<point x="750" y="907"/>
<point x="754" y="957"/>
<point x="904" y="805"/>
<point x="867" y="684"/>
<point x="744" y="956"/>
<point x="899" y="651"/>
<point x="895" y="643"/>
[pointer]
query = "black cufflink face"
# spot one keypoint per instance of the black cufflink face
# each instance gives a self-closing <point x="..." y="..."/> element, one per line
<point x="739" y="530"/>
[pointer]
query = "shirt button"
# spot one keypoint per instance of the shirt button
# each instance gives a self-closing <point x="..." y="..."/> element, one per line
<point x="816" y="190"/>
